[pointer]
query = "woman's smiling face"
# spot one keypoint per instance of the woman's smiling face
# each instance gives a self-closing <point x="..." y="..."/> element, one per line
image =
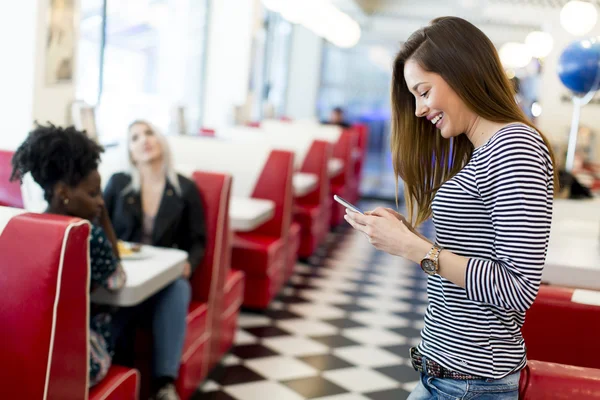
<point x="437" y="101"/>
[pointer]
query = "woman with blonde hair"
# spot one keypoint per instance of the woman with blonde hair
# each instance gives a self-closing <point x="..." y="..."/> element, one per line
<point x="154" y="205"/>
<point x="469" y="158"/>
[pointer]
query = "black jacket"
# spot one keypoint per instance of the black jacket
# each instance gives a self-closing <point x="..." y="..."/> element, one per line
<point x="179" y="222"/>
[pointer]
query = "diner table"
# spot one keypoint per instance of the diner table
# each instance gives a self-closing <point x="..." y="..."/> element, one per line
<point x="335" y="167"/>
<point x="148" y="271"/>
<point x="247" y="213"/>
<point x="304" y="183"/>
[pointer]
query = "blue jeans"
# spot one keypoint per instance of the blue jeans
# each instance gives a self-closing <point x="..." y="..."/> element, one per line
<point x="430" y="388"/>
<point x="165" y="314"/>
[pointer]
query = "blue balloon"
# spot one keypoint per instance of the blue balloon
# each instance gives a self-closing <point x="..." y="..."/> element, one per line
<point x="579" y="65"/>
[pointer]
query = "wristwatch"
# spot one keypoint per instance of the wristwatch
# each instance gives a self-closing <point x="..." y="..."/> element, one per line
<point x="430" y="263"/>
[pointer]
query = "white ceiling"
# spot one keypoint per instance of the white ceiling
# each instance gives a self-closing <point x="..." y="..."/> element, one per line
<point x="389" y="22"/>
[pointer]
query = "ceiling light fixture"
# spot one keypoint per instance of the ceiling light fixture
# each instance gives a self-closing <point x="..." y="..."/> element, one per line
<point x="320" y="17"/>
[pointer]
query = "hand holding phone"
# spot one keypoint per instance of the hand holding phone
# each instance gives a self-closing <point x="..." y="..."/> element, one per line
<point x="347" y="204"/>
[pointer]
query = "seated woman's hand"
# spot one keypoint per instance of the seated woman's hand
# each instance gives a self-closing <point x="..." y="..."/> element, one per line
<point x="187" y="270"/>
<point x="389" y="231"/>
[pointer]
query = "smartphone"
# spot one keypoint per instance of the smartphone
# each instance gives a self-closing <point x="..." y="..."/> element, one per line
<point x="347" y="204"/>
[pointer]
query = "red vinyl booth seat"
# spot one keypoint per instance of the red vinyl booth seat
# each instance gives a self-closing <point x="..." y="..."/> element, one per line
<point x="201" y="348"/>
<point x="10" y="192"/>
<point x="293" y="245"/>
<point x="194" y="360"/>
<point x="120" y="384"/>
<point x="233" y="297"/>
<point x="44" y="312"/>
<point x="549" y="381"/>
<point x="344" y="184"/>
<point x="207" y="132"/>
<point x="313" y="211"/>
<point x="262" y="253"/>
<point x="561" y="331"/>
<point x="362" y="145"/>
<point x="262" y="259"/>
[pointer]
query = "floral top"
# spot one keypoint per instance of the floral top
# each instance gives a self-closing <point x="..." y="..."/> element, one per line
<point x="106" y="272"/>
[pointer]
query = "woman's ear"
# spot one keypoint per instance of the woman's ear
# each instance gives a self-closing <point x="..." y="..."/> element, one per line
<point x="62" y="193"/>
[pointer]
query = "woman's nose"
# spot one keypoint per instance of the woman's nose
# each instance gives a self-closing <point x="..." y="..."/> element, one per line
<point x="421" y="110"/>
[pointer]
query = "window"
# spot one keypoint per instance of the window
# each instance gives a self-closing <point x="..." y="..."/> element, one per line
<point x="358" y="80"/>
<point x="149" y="63"/>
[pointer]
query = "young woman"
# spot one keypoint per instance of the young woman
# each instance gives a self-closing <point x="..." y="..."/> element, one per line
<point x="469" y="157"/>
<point x="153" y="205"/>
<point x="64" y="162"/>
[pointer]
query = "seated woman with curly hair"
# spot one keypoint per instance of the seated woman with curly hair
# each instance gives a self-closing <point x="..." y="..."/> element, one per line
<point x="64" y="162"/>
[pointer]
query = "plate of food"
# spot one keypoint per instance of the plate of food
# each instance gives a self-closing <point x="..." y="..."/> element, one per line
<point x="131" y="251"/>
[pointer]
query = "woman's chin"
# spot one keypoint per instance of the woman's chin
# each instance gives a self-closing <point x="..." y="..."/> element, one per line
<point x="147" y="160"/>
<point x="447" y="133"/>
<point x="444" y="133"/>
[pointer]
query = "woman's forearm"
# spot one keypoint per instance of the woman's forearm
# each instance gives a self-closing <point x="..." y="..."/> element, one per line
<point x="453" y="267"/>
<point x="110" y="233"/>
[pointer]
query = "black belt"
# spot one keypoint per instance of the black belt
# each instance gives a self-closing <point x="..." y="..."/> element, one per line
<point x="436" y="370"/>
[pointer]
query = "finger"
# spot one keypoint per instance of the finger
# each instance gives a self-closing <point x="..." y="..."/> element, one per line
<point x="382" y="212"/>
<point x="354" y="224"/>
<point x="351" y="212"/>
<point x="359" y="218"/>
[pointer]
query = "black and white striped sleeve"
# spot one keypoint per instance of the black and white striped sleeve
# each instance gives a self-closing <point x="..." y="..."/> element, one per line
<point x="514" y="178"/>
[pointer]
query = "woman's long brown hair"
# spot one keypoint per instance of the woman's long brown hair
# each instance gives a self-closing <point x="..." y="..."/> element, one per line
<point x="468" y="61"/>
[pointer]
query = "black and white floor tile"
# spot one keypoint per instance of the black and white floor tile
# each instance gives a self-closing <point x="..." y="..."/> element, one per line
<point x="340" y="330"/>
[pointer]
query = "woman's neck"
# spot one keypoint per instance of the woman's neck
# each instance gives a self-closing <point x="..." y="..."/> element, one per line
<point x="481" y="130"/>
<point x="152" y="173"/>
<point x="54" y="210"/>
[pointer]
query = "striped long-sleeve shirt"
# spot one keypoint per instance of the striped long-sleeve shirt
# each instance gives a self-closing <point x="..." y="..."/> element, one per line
<point x="497" y="211"/>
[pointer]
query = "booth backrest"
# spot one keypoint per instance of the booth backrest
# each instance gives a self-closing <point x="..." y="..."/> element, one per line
<point x="10" y="192"/>
<point x="243" y="163"/>
<point x="207" y="132"/>
<point x="315" y="130"/>
<point x="209" y="278"/>
<point x="543" y="381"/>
<point x="276" y="184"/>
<point x="316" y="162"/>
<point x="44" y="308"/>
<point x="297" y="144"/>
<point x="208" y="282"/>
<point x="362" y="145"/>
<point x="560" y="328"/>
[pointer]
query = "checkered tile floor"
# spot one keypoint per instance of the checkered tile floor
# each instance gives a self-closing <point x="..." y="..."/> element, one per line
<point x="340" y="330"/>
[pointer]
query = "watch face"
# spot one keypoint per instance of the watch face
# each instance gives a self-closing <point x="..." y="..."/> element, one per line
<point x="428" y="266"/>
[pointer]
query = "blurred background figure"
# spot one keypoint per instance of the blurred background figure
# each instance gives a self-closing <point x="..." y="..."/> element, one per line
<point x="337" y="117"/>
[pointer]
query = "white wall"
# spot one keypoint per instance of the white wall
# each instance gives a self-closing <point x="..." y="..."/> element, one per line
<point x="24" y="95"/>
<point x="555" y="120"/>
<point x="231" y="27"/>
<point x="305" y="74"/>
<point x="17" y="38"/>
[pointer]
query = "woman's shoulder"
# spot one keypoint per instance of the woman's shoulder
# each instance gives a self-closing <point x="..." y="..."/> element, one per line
<point x="514" y="137"/>
<point x="121" y="178"/>
<point x="185" y="183"/>
<point x="97" y="236"/>
<point x="188" y="187"/>
<point x="117" y="182"/>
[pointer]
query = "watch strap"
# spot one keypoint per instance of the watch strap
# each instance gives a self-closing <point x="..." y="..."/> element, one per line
<point x="434" y="255"/>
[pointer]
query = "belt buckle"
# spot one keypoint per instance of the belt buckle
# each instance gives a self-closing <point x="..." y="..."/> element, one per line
<point x="412" y="355"/>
